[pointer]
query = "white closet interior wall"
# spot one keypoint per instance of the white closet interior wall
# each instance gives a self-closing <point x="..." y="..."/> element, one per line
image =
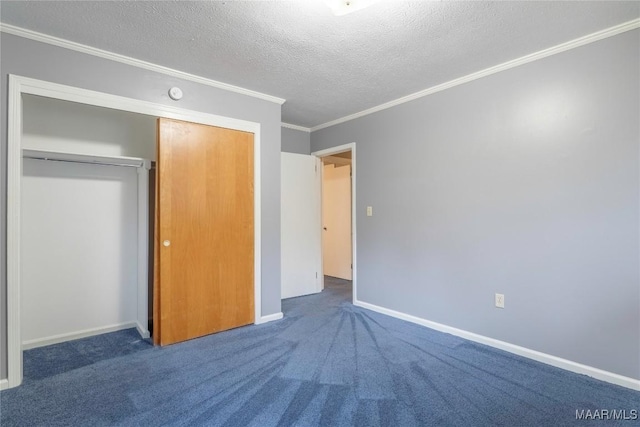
<point x="52" y="124"/>
<point x="79" y="221"/>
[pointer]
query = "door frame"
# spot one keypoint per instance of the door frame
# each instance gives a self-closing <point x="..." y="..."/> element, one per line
<point x="19" y="86"/>
<point x="328" y="152"/>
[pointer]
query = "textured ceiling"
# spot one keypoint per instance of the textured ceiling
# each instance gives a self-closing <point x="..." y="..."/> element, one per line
<point x="325" y="66"/>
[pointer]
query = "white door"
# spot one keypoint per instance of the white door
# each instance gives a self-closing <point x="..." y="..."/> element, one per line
<point x="300" y="226"/>
<point x="336" y="218"/>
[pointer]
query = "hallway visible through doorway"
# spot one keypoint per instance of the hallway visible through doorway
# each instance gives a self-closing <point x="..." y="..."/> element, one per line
<point x="336" y="216"/>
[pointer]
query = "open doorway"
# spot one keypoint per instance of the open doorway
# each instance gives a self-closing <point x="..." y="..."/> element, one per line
<point x="338" y="216"/>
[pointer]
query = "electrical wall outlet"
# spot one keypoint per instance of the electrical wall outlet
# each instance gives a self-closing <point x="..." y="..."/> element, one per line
<point x="369" y="210"/>
<point x="500" y="300"/>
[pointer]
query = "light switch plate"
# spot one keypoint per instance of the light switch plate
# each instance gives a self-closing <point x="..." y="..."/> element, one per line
<point x="369" y="211"/>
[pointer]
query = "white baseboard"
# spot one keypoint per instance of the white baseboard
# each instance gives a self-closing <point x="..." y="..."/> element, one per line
<point x="144" y="332"/>
<point x="269" y="318"/>
<point x="558" y="362"/>
<point x="4" y="384"/>
<point x="56" y="339"/>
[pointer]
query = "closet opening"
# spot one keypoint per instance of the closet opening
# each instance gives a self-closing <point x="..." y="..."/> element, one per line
<point x="84" y="221"/>
<point x="73" y="130"/>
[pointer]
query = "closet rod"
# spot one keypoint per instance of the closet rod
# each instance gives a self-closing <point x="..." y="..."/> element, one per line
<point x="89" y="162"/>
<point x="59" y="156"/>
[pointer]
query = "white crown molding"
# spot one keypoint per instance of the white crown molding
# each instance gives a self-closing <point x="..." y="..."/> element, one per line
<point x="295" y="127"/>
<point x="44" y="38"/>
<point x="590" y="38"/>
<point x="548" y="359"/>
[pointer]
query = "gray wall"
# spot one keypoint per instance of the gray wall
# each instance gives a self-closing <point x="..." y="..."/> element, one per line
<point x="525" y="183"/>
<point x="41" y="61"/>
<point x="296" y="141"/>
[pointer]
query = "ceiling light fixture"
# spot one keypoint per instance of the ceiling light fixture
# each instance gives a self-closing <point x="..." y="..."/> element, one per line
<point x="342" y="7"/>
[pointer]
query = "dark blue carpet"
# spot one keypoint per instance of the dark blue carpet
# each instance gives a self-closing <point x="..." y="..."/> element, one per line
<point x="55" y="359"/>
<point x="327" y="363"/>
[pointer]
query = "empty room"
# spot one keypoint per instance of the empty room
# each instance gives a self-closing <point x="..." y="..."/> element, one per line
<point x="319" y="213"/>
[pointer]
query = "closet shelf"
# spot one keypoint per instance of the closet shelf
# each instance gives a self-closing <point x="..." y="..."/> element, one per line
<point x="61" y="156"/>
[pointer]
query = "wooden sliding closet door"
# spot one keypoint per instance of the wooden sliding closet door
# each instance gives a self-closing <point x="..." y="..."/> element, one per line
<point x="205" y="230"/>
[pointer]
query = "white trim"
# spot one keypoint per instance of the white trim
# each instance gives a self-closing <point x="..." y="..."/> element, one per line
<point x="558" y="362"/>
<point x="270" y="318"/>
<point x="142" y="295"/>
<point x="89" y="97"/>
<point x="572" y="44"/>
<point x="23" y="85"/>
<point x="143" y="331"/>
<point x="295" y="127"/>
<point x="14" y="179"/>
<point x="354" y="259"/>
<point x="56" y="339"/>
<point x="4" y="384"/>
<point x="257" y="224"/>
<point x="55" y="41"/>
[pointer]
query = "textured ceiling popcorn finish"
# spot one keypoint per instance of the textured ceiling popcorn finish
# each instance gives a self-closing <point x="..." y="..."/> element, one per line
<point x="325" y="66"/>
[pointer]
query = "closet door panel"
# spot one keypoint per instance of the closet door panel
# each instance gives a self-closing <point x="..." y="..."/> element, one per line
<point x="205" y="230"/>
